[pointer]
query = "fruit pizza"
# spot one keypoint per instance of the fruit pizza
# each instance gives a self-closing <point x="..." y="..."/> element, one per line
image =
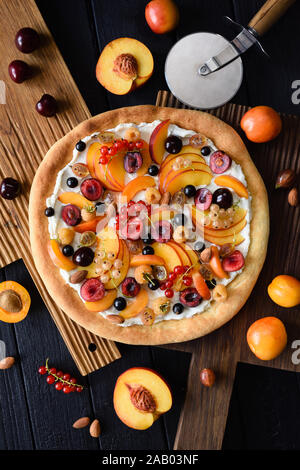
<point x="149" y="225"/>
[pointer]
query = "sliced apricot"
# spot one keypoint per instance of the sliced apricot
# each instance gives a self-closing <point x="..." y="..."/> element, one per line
<point x="60" y="260"/>
<point x="14" y="302"/>
<point x="235" y="239"/>
<point x="201" y="286"/>
<point x="124" y="269"/>
<point x="157" y="141"/>
<point x="216" y="264"/>
<point x="136" y="306"/>
<point x="233" y="183"/>
<point x="152" y="260"/>
<point x="74" y="198"/>
<point x="89" y="226"/>
<point x="194" y="177"/>
<point x="103" y="304"/>
<point x="185" y="259"/>
<point x="168" y="253"/>
<point x="137" y="184"/>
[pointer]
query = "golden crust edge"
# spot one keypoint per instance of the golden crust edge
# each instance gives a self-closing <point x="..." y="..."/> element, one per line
<point x="166" y="331"/>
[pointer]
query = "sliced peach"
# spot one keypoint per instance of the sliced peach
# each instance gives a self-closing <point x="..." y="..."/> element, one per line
<point x="168" y="253"/>
<point x="74" y="198"/>
<point x="137" y="184"/>
<point x="168" y="173"/>
<point x="124" y="269"/>
<point x="155" y="387"/>
<point x="94" y="149"/>
<point x="222" y="233"/>
<point x="196" y="178"/>
<point x="138" y="260"/>
<point x="60" y="260"/>
<point x="113" y="78"/>
<point x="103" y="304"/>
<point x="162" y="214"/>
<point x="191" y="254"/>
<point x="157" y="141"/>
<point x="216" y="264"/>
<point x="190" y="154"/>
<point x="233" y="183"/>
<point x="146" y="159"/>
<point x="104" y="175"/>
<point x="235" y="240"/>
<point x="185" y="259"/>
<point x="135" y="307"/>
<point x="200" y="285"/>
<point x="108" y="241"/>
<point x="89" y="226"/>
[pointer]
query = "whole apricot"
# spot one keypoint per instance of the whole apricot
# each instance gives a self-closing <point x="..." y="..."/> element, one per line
<point x="261" y="124"/>
<point x="267" y="338"/>
<point x="162" y="16"/>
<point x="284" y="290"/>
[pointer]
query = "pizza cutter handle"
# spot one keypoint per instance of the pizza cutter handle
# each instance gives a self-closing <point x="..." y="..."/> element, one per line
<point x="269" y="13"/>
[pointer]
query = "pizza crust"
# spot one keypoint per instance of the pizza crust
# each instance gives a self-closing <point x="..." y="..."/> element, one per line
<point x="170" y="331"/>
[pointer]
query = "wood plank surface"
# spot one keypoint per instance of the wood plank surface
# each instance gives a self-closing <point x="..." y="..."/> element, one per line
<point x="25" y="137"/>
<point x="224" y="348"/>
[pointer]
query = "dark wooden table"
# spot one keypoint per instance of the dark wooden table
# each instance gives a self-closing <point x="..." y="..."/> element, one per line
<point x="265" y="407"/>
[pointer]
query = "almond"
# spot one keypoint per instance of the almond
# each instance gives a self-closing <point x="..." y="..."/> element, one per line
<point x="78" y="277"/>
<point x="7" y="363"/>
<point x="81" y="422"/>
<point x="114" y="318"/>
<point x="95" y="429"/>
<point x="206" y="255"/>
<point x="293" y="198"/>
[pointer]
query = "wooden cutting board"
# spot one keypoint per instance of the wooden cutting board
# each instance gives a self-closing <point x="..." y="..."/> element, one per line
<point x="25" y="137"/>
<point x="204" y="415"/>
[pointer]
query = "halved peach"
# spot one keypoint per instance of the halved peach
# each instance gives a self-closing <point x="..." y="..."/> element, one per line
<point x="74" y="198"/>
<point x="60" y="260"/>
<point x="138" y="413"/>
<point x="216" y="264"/>
<point x="123" y="270"/>
<point x="196" y="178"/>
<point x="233" y="183"/>
<point x="138" y="260"/>
<point x="124" y="64"/>
<point x="157" y="141"/>
<point x="168" y="253"/>
<point x="89" y="226"/>
<point x="103" y="304"/>
<point x="137" y="184"/>
<point x="135" y="307"/>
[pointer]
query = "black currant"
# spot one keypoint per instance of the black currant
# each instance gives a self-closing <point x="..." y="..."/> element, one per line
<point x="148" y="250"/>
<point x="205" y="151"/>
<point x="189" y="190"/>
<point x="153" y="170"/>
<point x="49" y="211"/>
<point x="80" y="146"/>
<point x="153" y="284"/>
<point x="68" y="250"/>
<point x="178" y="308"/>
<point x="211" y="284"/>
<point x="72" y="182"/>
<point x="120" y="303"/>
<point x="199" y="246"/>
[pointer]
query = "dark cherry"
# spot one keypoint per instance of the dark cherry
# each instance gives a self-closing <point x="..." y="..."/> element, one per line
<point x="92" y="189"/>
<point x="199" y="247"/>
<point x="178" y="308"/>
<point x="222" y="197"/>
<point x="10" y="188"/>
<point x="18" y="71"/>
<point x="84" y="256"/>
<point x="71" y="214"/>
<point x="149" y="240"/>
<point x="211" y="284"/>
<point x="68" y="250"/>
<point x="173" y="144"/>
<point x="180" y="219"/>
<point x="153" y="170"/>
<point x="72" y="182"/>
<point x="148" y="250"/>
<point x="80" y="146"/>
<point x="205" y="151"/>
<point x="189" y="190"/>
<point x="49" y="212"/>
<point x="153" y="284"/>
<point x="190" y="297"/>
<point x="27" y="40"/>
<point x="47" y="106"/>
<point x="120" y="303"/>
<point x="130" y="287"/>
<point x="133" y="161"/>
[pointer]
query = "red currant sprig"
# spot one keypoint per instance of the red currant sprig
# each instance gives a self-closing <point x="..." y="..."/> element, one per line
<point x="62" y="381"/>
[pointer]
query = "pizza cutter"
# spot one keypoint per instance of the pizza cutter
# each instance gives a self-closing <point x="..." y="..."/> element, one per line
<point x="205" y="70"/>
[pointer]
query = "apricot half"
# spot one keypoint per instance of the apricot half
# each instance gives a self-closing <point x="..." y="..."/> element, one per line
<point x="140" y="397"/>
<point x="14" y="302"/>
<point x="124" y="64"/>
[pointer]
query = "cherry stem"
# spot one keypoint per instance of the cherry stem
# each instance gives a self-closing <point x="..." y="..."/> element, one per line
<point x="60" y="379"/>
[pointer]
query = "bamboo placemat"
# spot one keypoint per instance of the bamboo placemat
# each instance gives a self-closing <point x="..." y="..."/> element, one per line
<point x="25" y="137"/>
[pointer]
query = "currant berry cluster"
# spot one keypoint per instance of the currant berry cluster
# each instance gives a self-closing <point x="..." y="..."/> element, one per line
<point x="132" y="209"/>
<point x="172" y="277"/>
<point x="62" y="381"/>
<point x="119" y="144"/>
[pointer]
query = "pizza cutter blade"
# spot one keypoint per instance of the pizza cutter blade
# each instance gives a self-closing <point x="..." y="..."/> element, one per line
<point x="205" y="70"/>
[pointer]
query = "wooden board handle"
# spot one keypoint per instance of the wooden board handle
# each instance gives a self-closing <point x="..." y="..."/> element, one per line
<point x="269" y="13"/>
